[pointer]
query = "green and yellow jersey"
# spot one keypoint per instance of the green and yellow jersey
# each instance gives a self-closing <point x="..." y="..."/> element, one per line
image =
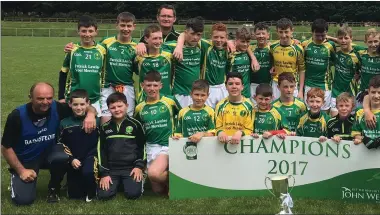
<point x="360" y="126"/>
<point x="191" y="121"/>
<point x="241" y="62"/>
<point x="291" y="111"/>
<point x="346" y="65"/>
<point x="313" y="127"/>
<point x="287" y="59"/>
<point x="189" y="69"/>
<point x="318" y="58"/>
<point x="161" y="63"/>
<point x="231" y="117"/>
<point x="269" y="120"/>
<point x="158" y="119"/>
<point x="214" y="64"/>
<point x="263" y="57"/>
<point x="85" y="68"/>
<point x="369" y="67"/>
<point x="119" y="62"/>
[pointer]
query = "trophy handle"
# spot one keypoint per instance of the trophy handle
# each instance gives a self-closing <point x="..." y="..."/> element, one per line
<point x="265" y="182"/>
<point x="294" y="182"/>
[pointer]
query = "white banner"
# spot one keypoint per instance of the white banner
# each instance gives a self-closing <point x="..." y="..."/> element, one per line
<point x="245" y="166"/>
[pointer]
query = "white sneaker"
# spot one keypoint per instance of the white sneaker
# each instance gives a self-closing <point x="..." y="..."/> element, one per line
<point x="87" y="199"/>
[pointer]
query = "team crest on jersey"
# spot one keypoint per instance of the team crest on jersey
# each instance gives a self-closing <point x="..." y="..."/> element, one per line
<point x="348" y="61"/>
<point x="323" y="51"/>
<point x="204" y="117"/>
<point x="162" y="109"/>
<point x="297" y="112"/>
<point x="270" y="120"/>
<point x="97" y="56"/>
<point x="128" y="130"/>
<point x="291" y="53"/>
<point x="243" y="113"/>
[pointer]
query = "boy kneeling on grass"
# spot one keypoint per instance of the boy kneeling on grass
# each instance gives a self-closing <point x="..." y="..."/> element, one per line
<point x="120" y="151"/>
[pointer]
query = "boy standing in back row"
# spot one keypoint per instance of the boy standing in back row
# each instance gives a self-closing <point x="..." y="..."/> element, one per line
<point x="346" y="62"/>
<point x="262" y="53"/>
<point x="119" y="64"/>
<point x="155" y="59"/>
<point x="319" y="53"/>
<point x="189" y="69"/>
<point x="83" y="67"/>
<point x="287" y="57"/>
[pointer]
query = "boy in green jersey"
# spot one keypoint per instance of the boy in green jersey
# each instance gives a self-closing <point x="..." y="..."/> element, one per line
<point x="240" y="61"/>
<point x="157" y="115"/>
<point x="119" y="64"/>
<point x="360" y="131"/>
<point x="291" y="107"/>
<point x="268" y="120"/>
<point x="197" y="120"/>
<point x="314" y="122"/>
<point x="369" y="62"/>
<point x="215" y="64"/>
<point x="262" y="53"/>
<point x="155" y="59"/>
<point x="346" y="62"/>
<point x="83" y="67"/>
<point x="319" y="53"/>
<point x="188" y="70"/>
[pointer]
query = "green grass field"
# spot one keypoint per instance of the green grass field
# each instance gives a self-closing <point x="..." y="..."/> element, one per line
<point x="26" y="60"/>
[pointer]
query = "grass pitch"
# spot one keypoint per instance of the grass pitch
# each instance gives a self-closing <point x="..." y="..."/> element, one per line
<point x="26" y="60"/>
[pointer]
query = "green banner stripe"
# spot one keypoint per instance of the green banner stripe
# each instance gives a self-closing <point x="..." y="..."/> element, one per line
<point x="358" y="186"/>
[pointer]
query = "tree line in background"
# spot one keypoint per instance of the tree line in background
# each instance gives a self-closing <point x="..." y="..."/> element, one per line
<point x="257" y="11"/>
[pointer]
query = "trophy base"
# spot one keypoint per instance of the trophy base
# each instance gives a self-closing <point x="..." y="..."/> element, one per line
<point x="284" y="212"/>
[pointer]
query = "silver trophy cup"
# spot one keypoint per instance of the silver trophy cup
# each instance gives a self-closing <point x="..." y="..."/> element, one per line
<point x="280" y="187"/>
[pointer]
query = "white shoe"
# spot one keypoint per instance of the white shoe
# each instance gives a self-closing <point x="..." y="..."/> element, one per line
<point x="87" y="199"/>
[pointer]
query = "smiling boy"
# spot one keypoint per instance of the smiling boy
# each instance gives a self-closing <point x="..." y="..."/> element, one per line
<point x="197" y="120"/>
<point x="157" y="114"/>
<point x="83" y="67"/>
